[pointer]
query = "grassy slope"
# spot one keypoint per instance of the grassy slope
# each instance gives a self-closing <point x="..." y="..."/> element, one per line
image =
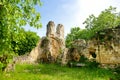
<point x="55" y="72"/>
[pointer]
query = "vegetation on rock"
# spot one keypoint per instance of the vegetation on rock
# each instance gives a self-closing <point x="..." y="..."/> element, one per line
<point x="109" y="18"/>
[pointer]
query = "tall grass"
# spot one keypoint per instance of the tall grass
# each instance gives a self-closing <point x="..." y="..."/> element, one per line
<point x="56" y="72"/>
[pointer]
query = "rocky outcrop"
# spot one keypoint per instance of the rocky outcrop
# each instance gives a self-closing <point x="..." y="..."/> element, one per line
<point x="60" y="31"/>
<point x="74" y="53"/>
<point x="65" y="58"/>
<point x="108" y="49"/>
<point x="50" y="29"/>
<point x="50" y="46"/>
<point x="104" y="48"/>
<point x="60" y="35"/>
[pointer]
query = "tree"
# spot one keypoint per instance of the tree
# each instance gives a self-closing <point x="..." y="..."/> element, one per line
<point x="77" y="33"/>
<point x="72" y="36"/>
<point x="24" y="45"/>
<point x="14" y="14"/>
<point x="108" y="18"/>
<point x="90" y="22"/>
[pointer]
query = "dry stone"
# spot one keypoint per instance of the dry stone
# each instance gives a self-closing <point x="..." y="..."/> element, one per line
<point x="60" y="31"/>
<point x="105" y="46"/>
<point x="69" y="55"/>
<point x="50" y="46"/>
<point x="60" y="35"/>
<point x="65" y="58"/>
<point x="50" y="29"/>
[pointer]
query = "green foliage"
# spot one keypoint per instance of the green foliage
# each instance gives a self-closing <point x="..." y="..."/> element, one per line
<point x="116" y="73"/>
<point x="77" y="33"/>
<point x="14" y="14"/>
<point x="108" y="18"/>
<point x="4" y="60"/>
<point x="83" y="59"/>
<point x="24" y="44"/>
<point x="92" y="64"/>
<point x="55" y="72"/>
<point x="72" y="36"/>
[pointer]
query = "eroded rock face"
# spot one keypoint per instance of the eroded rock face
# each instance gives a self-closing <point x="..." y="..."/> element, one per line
<point x="65" y="57"/>
<point x="74" y="54"/>
<point x="71" y="54"/>
<point x="60" y="35"/>
<point x="50" y="46"/>
<point x="105" y="47"/>
<point x="23" y="59"/>
<point x="40" y="52"/>
<point x="50" y="29"/>
<point x="108" y="49"/>
<point x="60" y="31"/>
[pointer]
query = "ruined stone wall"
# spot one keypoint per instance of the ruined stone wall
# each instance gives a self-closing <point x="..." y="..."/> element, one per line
<point x="104" y="47"/>
<point x="107" y="46"/>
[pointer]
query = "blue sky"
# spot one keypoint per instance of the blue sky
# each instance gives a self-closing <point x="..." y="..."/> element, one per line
<point x="70" y="13"/>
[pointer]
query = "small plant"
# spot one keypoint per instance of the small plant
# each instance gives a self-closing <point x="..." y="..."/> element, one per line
<point x="116" y="72"/>
<point x="83" y="59"/>
<point x="92" y="64"/>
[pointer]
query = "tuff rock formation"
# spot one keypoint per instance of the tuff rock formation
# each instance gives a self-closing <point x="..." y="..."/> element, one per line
<point x="48" y="49"/>
<point x="50" y="29"/>
<point x="60" y="31"/>
<point x="74" y="54"/>
<point x="50" y="46"/>
<point x="108" y="48"/>
<point x="104" y="48"/>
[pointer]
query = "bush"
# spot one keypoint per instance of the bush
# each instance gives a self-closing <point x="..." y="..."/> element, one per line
<point x="5" y="59"/>
<point x="92" y="64"/>
<point x="116" y="72"/>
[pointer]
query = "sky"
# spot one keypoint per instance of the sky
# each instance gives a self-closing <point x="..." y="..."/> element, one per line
<point x="70" y="13"/>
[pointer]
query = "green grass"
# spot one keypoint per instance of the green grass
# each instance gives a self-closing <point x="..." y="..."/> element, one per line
<point x="55" y="72"/>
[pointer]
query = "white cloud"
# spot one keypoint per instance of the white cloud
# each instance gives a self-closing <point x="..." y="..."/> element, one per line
<point x="72" y="13"/>
<point x="79" y="10"/>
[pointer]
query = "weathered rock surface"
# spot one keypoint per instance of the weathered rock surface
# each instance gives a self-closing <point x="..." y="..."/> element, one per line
<point x="50" y="46"/>
<point x="65" y="58"/>
<point x="60" y="35"/>
<point x="104" y="48"/>
<point x="23" y="59"/>
<point x="108" y="49"/>
<point x="50" y="29"/>
<point x="60" y="31"/>
<point x="74" y="54"/>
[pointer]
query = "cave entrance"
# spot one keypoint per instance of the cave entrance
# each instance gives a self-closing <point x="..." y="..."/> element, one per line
<point x="92" y="52"/>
